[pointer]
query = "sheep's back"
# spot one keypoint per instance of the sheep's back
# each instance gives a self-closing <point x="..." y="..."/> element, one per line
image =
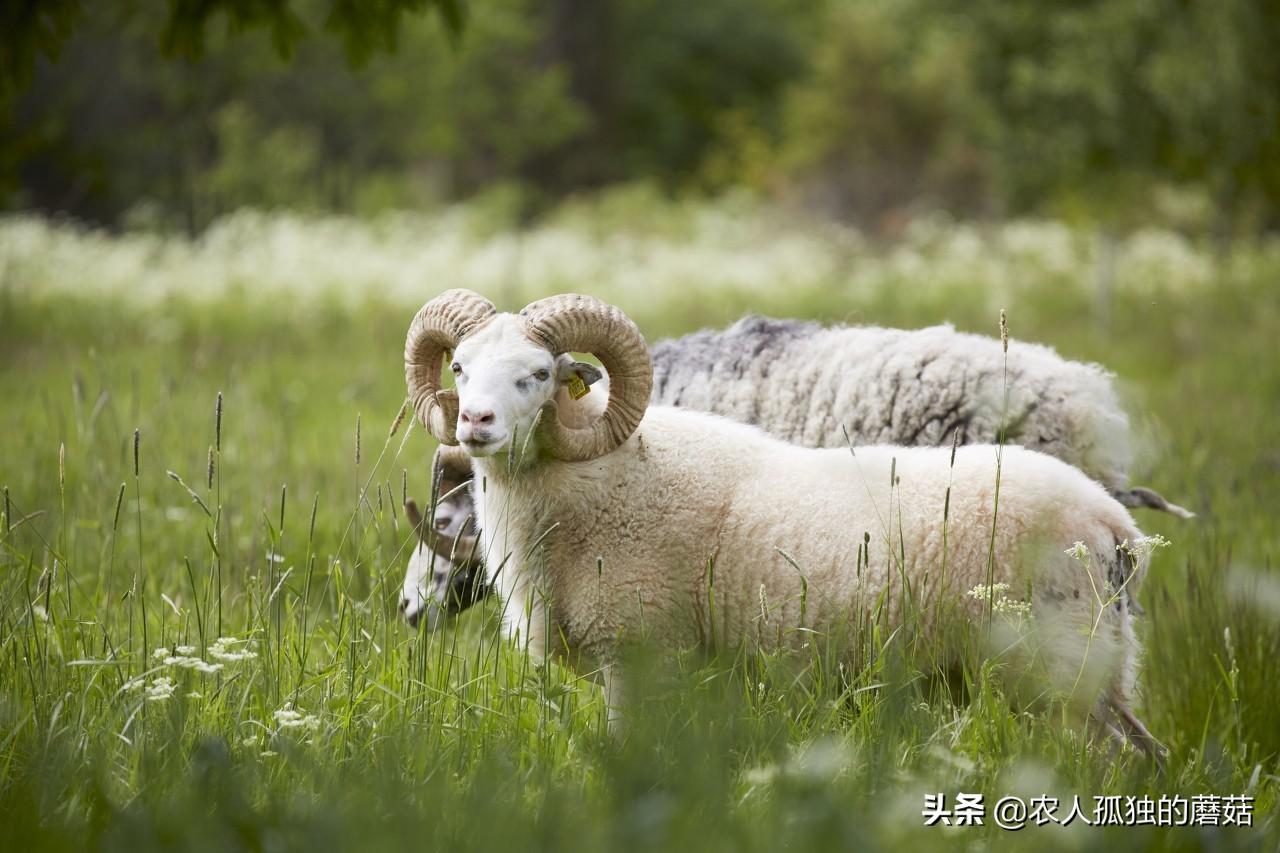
<point x="861" y="385"/>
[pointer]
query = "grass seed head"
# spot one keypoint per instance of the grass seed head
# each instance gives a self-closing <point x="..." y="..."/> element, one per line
<point x="395" y="425"/>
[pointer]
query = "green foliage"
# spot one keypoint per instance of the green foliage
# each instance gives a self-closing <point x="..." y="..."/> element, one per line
<point x="258" y="166"/>
<point x="1106" y="99"/>
<point x="42" y="28"/>
<point x="886" y="117"/>
<point x="866" y="109"/>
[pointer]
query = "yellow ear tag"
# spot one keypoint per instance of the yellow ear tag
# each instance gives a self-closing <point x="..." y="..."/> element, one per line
<point x="577" y="388"/>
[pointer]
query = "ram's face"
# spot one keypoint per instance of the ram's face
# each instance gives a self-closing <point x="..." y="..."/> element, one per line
<point x="434" y="587"/>
<point x="503" y="380"/>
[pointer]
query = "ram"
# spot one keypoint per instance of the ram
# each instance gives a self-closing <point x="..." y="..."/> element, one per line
<point x="829" y="386"/>
<point x="601" y="523"/>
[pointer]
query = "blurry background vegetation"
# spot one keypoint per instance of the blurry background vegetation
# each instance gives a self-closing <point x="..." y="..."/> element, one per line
<point x="1106" y="113"/>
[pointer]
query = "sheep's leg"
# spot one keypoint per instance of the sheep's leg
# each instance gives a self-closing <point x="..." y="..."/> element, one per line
<point x="614" y="698"/>
<point x="1121" y="726"/>
<point x="1137" y="733"/>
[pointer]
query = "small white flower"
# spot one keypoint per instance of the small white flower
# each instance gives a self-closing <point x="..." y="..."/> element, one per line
<point x="1012" y="607"/>
<point x="290" y="718"/>
<point x="160" y="689"/>
<point x="225" y="649"/>
<point x="1144" y="546"/>
<point x="160" y="653"/>
<point x="982" y="591"/>
<point x="185" y="651"/>
<point x="1000" y="603"/>
<point x="1078" y="551"/>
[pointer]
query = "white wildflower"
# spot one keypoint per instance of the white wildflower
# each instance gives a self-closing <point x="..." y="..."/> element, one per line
<point x="1144" y="546"/>
<point x="1012" y="608"/>
<point x="984" y="592"/>
<point x="1078" y="551"/>
<point x="197" y="664"/>
<point x="184" y="657"/>
<point x="231" y="650"/>
<point x="290" y="718"/>
<point x="160" y="689"/>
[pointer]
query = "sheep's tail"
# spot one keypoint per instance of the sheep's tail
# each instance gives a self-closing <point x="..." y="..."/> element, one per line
<point x="1142" y="497"/>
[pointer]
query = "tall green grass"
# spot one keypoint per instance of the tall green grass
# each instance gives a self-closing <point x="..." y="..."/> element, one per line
<point x="280" y="526"/>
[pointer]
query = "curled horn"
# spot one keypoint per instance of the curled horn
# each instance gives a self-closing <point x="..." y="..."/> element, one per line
<point x="576" y="323"/>
<point x="437" y="328"/>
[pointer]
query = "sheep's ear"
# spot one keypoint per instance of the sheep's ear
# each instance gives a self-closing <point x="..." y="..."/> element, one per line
<point x="567" y="368"/>
<point x="411" y="512"/>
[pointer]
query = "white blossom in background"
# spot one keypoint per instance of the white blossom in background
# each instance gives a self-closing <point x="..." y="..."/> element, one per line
<point x="160" y="689"/>
<point x="633" y="255"/>
<point x="231" y="650"/>
<point x="184" y="657"/>
<point x="289" y="717"/>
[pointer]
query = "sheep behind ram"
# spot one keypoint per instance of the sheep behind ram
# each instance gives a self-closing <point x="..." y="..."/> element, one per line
<point x="810" y="385"/>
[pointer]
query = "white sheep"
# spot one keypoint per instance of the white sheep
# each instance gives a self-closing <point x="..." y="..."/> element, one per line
<point x="599" y="523"/>
<point x="828" y="386"/>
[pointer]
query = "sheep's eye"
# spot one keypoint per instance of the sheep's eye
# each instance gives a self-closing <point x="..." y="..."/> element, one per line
<point x="542" y="375"/>
<point x="442" y="523"/>
<point x="456" y="368"/>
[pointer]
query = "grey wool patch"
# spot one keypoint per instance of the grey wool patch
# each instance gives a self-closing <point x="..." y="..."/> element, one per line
<point x="809" y="384"/>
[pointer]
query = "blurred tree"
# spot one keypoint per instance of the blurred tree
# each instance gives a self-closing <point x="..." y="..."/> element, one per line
<point x="886" y="119"/>
<point x="42" y="27"/>
<point x="552" y="97"/>
<point x="866" y="108"/>
<point x="1091" y="104"/>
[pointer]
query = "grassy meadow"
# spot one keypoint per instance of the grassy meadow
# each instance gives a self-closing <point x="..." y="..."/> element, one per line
<point x="259" y="545"/>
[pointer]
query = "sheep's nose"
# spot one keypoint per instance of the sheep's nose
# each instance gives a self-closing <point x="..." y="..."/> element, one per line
<point x="477" y="418"/>
<point x="404" y="605"/>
